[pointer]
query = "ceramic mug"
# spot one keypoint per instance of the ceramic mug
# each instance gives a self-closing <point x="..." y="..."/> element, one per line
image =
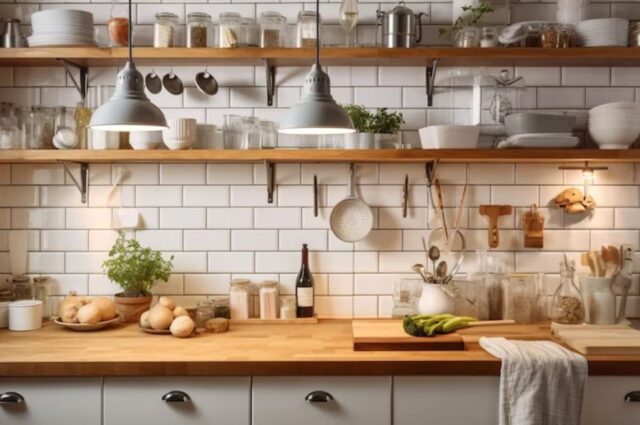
<point x="181" y="134"/>
<point x="434" y="300"/>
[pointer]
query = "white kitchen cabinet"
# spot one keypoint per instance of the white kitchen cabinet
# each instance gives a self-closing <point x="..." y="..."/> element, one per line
<point x="51" y="401"/>
<point x="437" y="400"/>
<point x="177" y="401"/>
<point x="356" y="400"/>
<point x="604" y="401"/>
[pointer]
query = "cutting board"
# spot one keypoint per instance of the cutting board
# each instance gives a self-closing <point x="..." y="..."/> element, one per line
<point x="388" y="335"/>
<point x="599" y="339"/>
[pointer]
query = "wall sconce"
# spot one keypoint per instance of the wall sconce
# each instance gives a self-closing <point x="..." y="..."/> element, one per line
<point x="588" y="173"/>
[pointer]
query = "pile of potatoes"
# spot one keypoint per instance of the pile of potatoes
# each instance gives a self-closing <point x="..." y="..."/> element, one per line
<point x="86" y="310"/>
<point x="166" y="315"/>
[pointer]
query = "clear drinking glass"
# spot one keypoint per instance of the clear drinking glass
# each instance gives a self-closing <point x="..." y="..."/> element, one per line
<point x="268" y="135"/>
<point x="231" y="131"/>
<point x="349" y="19"/>
<point x="249" y="133"/>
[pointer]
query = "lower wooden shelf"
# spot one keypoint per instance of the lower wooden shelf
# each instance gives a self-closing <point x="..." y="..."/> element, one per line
<point x="323" y="155"/>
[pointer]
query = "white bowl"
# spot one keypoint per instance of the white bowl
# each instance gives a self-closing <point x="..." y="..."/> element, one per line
<point x="449" y="136"/>
<point x="614" y="138"/>
<point x="175" y="145"/>
<point x="145" y="140"/>
<point x="615" y="106"/>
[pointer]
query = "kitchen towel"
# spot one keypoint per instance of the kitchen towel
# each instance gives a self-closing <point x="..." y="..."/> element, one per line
<point x="541" y="383"/>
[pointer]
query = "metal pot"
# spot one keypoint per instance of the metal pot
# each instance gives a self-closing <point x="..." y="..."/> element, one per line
<point x="400" y="27"/>
<point x="10" y="35"/>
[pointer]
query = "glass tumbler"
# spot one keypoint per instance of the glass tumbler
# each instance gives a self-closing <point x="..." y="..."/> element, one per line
<point x="231" y="131"/>
<point x="268" y="135"/>
<point x="249" y="133"/>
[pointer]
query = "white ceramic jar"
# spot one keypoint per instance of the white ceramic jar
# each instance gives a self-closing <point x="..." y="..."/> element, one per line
<point x="434" y="300"/>
<point x="181" y="134"/>
<point x="25" y="315"/>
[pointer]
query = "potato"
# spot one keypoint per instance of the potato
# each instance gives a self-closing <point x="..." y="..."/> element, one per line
<point x="180" y="311"/>
<point x="69" y="315"/>
<point x="160" y="317"/>
<point x="106" y="306"/>
<point x="144" y="320"/>
<point x="167" y="302"/>
<point x="182" y="327"/>
<point x="72" y="300"/>
<point x="89" y="314"/>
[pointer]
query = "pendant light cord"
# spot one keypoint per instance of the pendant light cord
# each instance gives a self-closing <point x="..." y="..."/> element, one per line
<point x="318" y="32"/>
<point x="130" y="25"/>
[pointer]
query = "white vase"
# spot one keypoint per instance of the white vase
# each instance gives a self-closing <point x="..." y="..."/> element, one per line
<point x="181" y="134"/>
<point x="434" y="300"/>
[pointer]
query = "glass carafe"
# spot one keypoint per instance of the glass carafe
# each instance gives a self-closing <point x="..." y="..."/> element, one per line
<point x="568" y="306"/>
<point x="349" y="19"/>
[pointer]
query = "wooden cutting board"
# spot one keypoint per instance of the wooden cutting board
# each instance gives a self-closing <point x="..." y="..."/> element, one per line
<point x="388" y="335"/>
<point x="599" y="339"/>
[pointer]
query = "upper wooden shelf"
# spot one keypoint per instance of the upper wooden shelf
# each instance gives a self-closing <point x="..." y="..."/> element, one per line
<point x="324" y="155"/>
<point x="594" y="56"/>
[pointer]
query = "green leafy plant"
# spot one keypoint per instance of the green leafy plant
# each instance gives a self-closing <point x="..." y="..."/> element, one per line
<point x="360" y="117"/>
<point x="380" y="122"/>
<point x="386" y="122"/>
<point x="471" y="16"/>
<point x="134" y="268"/>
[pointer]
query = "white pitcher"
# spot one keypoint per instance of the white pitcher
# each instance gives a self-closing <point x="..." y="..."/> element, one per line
<point x="434" y="300"/>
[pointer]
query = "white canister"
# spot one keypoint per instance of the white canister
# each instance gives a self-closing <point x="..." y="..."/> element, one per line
<point x="181" y="134"/>
<point x="103" y="140"/>
<point x="25" y="315"/>
<point x="4" y="314"/>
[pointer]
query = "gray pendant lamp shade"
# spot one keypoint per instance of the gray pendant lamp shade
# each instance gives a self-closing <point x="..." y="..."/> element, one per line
<point x="129" y="109"/>
<point x="316" y="112"/>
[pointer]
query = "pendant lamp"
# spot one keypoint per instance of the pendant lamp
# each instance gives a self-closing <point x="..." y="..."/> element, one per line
<point x="129" y="109"/>
<point x="316" y="112"/>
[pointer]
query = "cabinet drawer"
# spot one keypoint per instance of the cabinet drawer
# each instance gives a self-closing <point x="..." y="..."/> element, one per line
<point x="604" y="401"/>
<point x="158" y="401"/>
<point x="356" y="401"/>
<point x="52" y="401"/>
<point x="435" y="400"/>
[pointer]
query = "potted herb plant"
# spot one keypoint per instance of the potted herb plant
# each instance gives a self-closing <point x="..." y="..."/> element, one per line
<point x="377" y="130"/>
<point x="136" y="270"/>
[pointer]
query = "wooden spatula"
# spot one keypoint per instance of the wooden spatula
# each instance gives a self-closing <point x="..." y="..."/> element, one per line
<point x="494" y="212"/>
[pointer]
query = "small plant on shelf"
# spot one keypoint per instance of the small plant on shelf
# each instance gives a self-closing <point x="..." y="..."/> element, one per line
<point x="470" y="17"/>
<point x="360" y="116"/>
<point x="385" y="122"/>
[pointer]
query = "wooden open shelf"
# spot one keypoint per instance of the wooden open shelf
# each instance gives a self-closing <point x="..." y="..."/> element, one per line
<point x="593" y="56"/>
<point x="324" y="155"/>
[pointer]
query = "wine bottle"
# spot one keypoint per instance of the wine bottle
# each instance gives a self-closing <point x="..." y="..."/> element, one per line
<point x="304" y="287"/>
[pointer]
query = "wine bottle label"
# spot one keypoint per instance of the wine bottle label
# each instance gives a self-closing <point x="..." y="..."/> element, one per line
<point x="305" y="297"/>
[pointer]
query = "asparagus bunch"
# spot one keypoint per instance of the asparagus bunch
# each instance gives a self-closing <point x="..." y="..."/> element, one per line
<point x="432" y="324"/>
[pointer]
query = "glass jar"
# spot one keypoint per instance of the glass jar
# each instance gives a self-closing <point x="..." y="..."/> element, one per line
<point x="249" y="133"/>
<point x="534" y="35"/>
<point x="240" y="299"/>
<point x="82" y="117"/>
<point x="306" y="29"/>
<point x="42" y="289"/>
<point x="228" y="30"/>
<point x="288" y="309"/>
<point x="273" y="27"/>
<point x="468" y="37"/>
<point x="32" y="126"/>
<point x="269" y="299"/>
<point x="268" y="135"/>
<point x="204" y="312"/>
<point x="164" y="30"/>
<point x="22" y="289"/>
<point x="231" y="131"/>
<point x="406" y="293"/>
<point x="221" y="308"/>
<point x="249" y="33"/>
<point x="198" y="29"/>
<point x="10" y="134"/>
<point x="567" y="306"/>
<point x="634" y="33"/>
<point x="489" y="37"/>
<point x="520" y="303"/>
<point x="118" y="26"/>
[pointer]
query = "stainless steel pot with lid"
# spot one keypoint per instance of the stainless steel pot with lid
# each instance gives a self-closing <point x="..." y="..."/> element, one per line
<point x="400" y="27"/>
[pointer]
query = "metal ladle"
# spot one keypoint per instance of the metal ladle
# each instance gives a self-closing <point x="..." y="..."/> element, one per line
<point x="434" y="255"/>
<point x="153" y="82"/>
<point x="206" y="83"/>
<point x="441" y="271"/>
<point x="172" y="83"/>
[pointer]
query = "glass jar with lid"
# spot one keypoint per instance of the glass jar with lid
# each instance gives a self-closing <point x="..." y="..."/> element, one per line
<point x="489" y="37"/>
<point x="240" y="299"/>
<point x="568" y="305"/>
<point x="164" y="29"/>
<point x="22" y="289"/>
<point x="228" y="29"/>
<point x="198" y="29"/>
<point x="249" y="33"/>
<point x="249" y="133"/>
<point x="42" y="292"/>
<point x="306" y="34"/>
<point x="269" y="299"/>
<point x="273" y="27"/>
<point x="221" y="308"/>
<point x="204" y="312"/>
<point x="288" y="309"/>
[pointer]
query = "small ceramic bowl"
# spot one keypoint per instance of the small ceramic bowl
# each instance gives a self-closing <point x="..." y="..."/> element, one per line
<point x="145" y="140"/>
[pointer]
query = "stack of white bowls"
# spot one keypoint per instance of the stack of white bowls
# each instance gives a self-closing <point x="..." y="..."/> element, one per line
<point x="62" y="27"/>
<point x="603" y="32"/>
<point x="615" y="125"/>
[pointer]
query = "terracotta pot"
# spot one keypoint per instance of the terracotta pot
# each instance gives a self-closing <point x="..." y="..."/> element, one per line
<point x="131" y="308"/>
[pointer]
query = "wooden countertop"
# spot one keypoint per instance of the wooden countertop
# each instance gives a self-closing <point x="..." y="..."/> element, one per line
<point x="322" y="349"/>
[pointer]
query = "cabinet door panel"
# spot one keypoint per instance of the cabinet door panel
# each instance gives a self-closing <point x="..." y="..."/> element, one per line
<point x="436" y="400"/>
<point x="604" y="401"/>
<point x="139" y="401"/>
<point x="356" y="401"/>
<point x="53" y="401"/>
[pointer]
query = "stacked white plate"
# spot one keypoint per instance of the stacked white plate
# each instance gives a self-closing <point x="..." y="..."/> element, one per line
<point x="603" y="32"/>
<point x="615" y="125"/>
<point x="62" y="27"/>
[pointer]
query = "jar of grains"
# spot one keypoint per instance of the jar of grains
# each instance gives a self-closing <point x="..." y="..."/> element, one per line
<point x="306" y="29"/>
<point x="568" y="305"/>
<point x="198" y="29"/>
<point x="273" y="27"/>
<point x="240" y="298"/>
<point x="269" y="297"/>
<point x="164" y="29"/>
<point x="228" y="30"/>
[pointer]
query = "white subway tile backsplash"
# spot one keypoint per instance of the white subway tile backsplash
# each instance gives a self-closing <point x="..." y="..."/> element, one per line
<point x="254" y="240"/>
<point x="88" y="218"/>
<point x="561" y="97"/>
<point x="251" y="196"/>
<point x="46" y="262"/>
<point x="229" y="218"/>
<point x="277" y="218"/>
<point x="292" y="240"/>
<point x="378" y="97"/>
<point x="84" y="262"/>
<point x="207" y="240"/>
<point x="365" y="306"/>
<point x="183" y="218"/>
<point x="185" y="174"/>
<point x="514" y="195"/>
<point x="233" y="262"/>
<point x="188" y="262"/>
<point x="207" y="284"/>
<point x="334" y="307"/>
<point x="64" y="240"/>
<point x="19" y="196"/>
<point x="491" y="173"/>
<point x="37" y="174"/>
<point x="205" y="196"/>
<point x="585" y="76"/>
<point x="161" y="240"/>
<point x="37" y="218"/>
<point x="158" y="196"/>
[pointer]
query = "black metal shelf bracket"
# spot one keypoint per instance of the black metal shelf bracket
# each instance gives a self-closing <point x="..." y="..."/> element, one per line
<point x="83" y="184"/>
<point x="270" y="70"/>
<point x="270" y="168"/>
<point x="431" y="80"/>
<point x="81" y="86"/>
<point x="405" y="196"/>
<point x="430" y="176"/>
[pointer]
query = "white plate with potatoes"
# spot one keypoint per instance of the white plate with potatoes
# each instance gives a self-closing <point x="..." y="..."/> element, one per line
<point x="82" y="327"/>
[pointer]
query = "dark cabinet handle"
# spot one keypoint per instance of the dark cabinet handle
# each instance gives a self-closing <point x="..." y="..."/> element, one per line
<point x="176" y="397"/>
<point x="318" y="397"/>
<point x="633" y="396"/>
<point x="11" y="398"/>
